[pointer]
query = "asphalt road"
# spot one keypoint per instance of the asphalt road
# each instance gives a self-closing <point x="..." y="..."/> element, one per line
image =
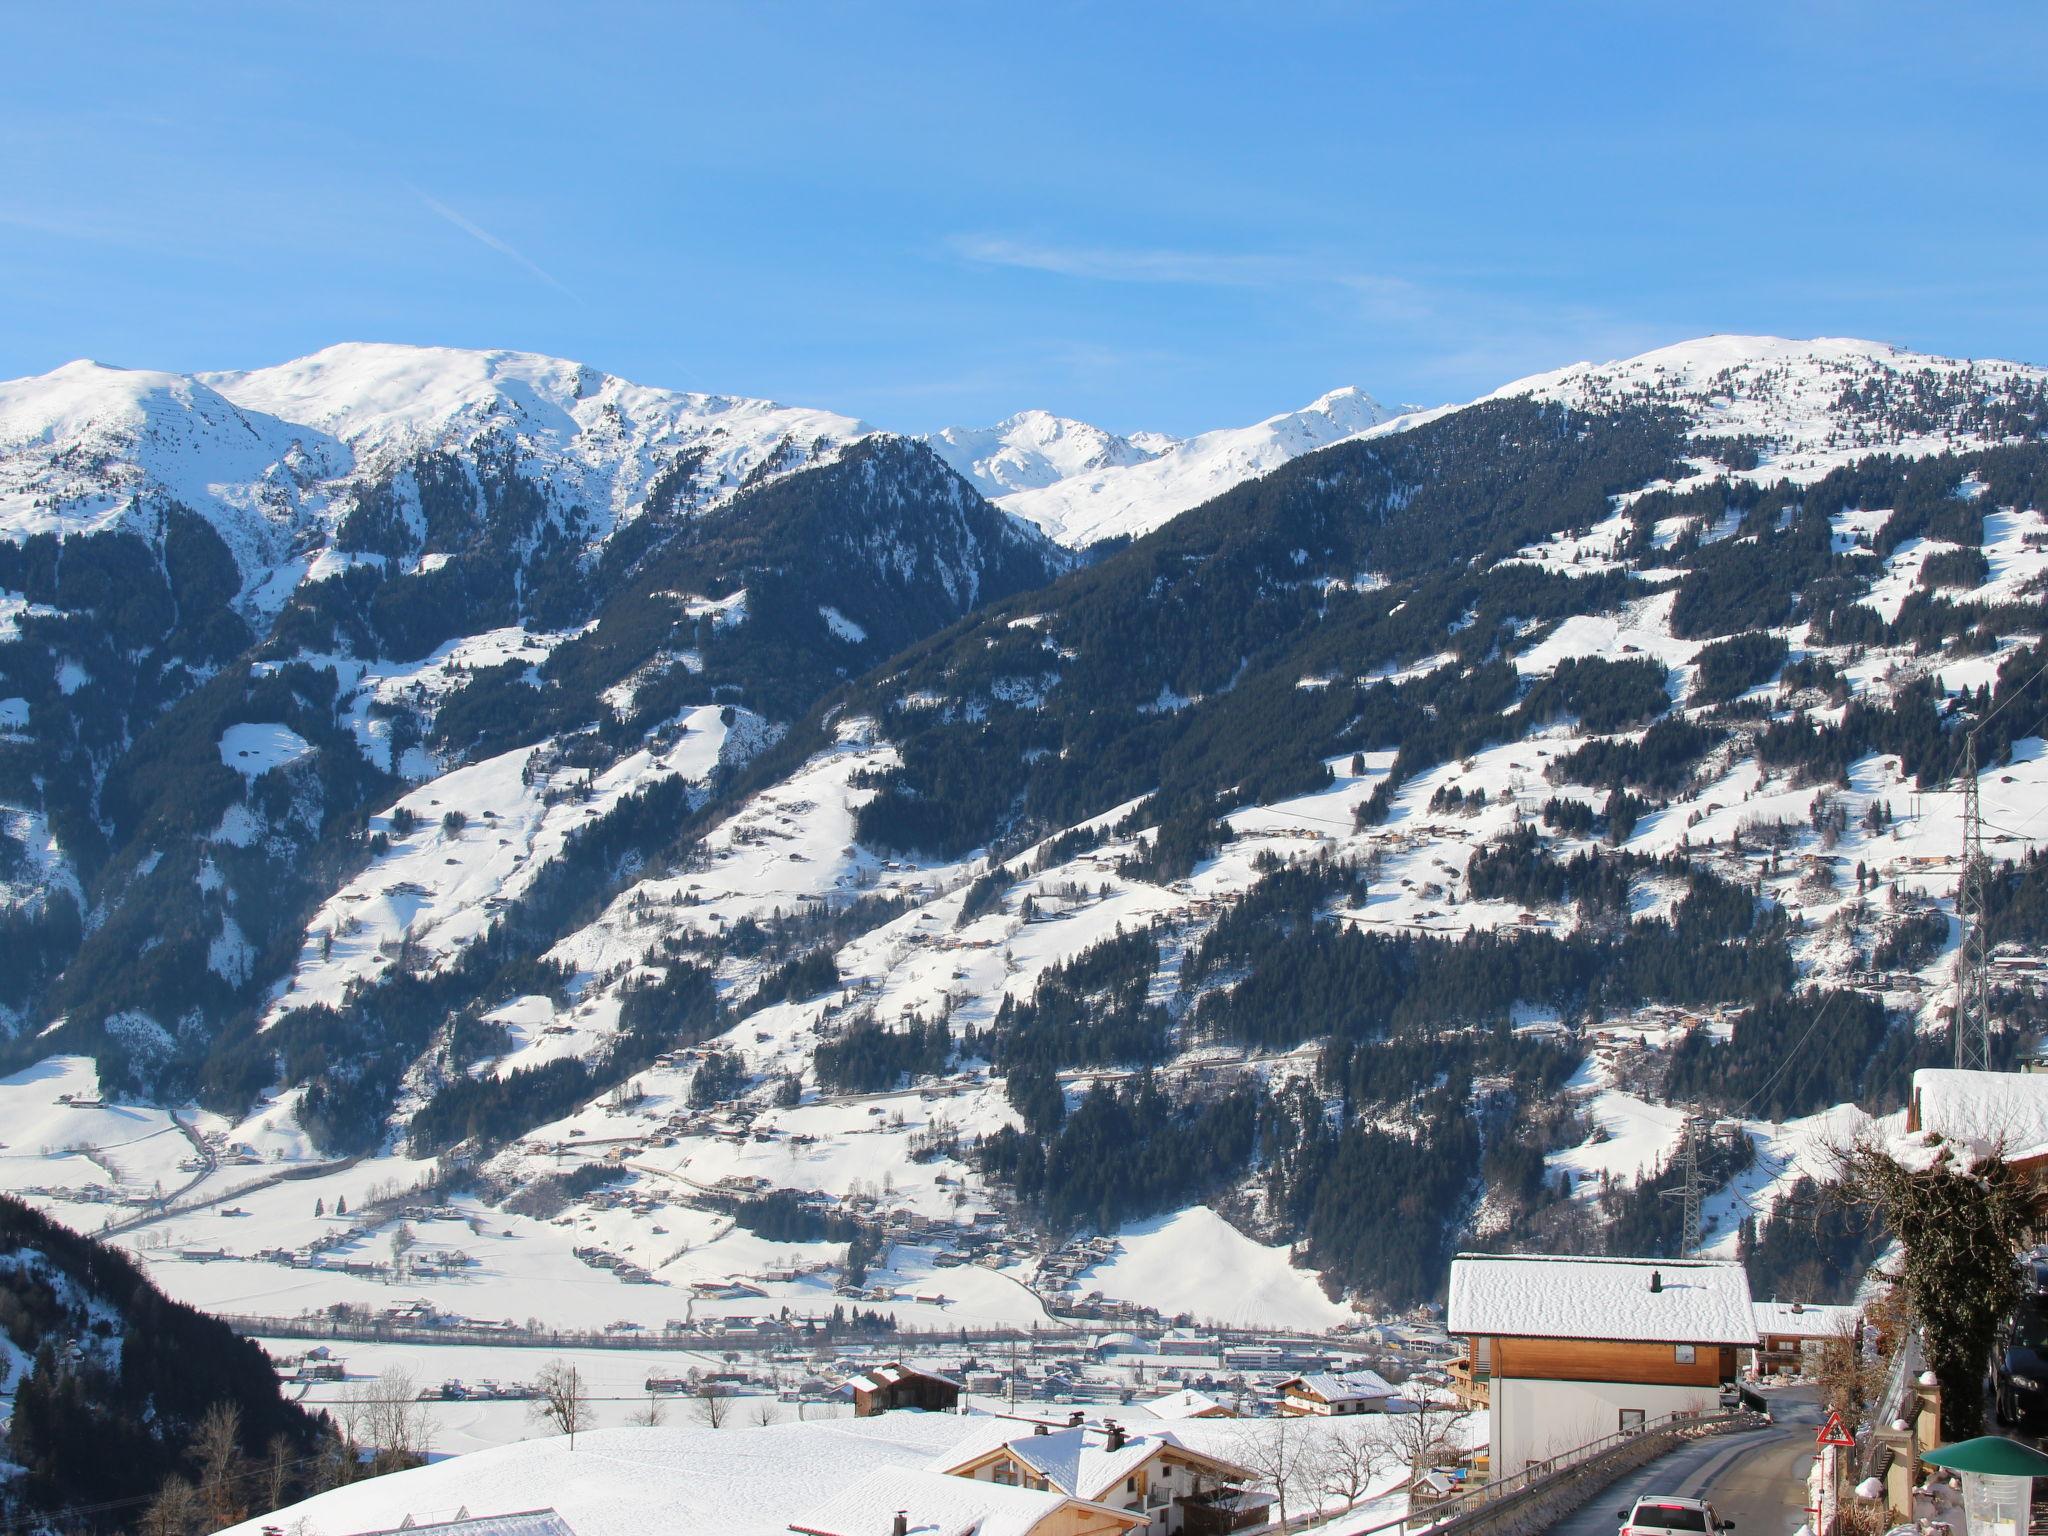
<point x="1756" y="1479"/>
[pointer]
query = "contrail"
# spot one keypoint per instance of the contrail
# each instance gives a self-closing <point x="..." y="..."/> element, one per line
<point x="478" y="233"/>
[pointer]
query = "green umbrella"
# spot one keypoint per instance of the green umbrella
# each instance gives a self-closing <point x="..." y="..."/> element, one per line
<point x="1991" y="1456"/>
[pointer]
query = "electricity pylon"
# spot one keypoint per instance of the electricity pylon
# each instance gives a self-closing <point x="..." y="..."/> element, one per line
<point x="1973" y="961"/>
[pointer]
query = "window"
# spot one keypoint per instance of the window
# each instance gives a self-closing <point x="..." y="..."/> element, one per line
<point x="1669" y="1517"/>
<point x="1686" y="1353"/>
<point x="1631" y="1419"/>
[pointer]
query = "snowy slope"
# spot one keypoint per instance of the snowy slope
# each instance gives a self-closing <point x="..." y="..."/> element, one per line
<point x="1814" y="404"/>
<point x="88" y="446"/>
<point x="480" y="834"/>
<point x="1122" y="495"/>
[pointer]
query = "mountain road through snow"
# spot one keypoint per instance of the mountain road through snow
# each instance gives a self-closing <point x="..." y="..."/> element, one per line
<point x="1758" y="1479"/>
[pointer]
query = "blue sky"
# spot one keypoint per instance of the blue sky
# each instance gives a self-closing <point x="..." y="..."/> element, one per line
<point x="1166" y="216"/>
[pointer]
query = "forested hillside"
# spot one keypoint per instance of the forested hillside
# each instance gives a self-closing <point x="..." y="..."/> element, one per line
<point x="1389" y="853"/>
<point x="115" y="1388"/>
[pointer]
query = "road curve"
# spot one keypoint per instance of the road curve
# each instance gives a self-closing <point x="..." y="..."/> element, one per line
<point x="1749" y="1477"/>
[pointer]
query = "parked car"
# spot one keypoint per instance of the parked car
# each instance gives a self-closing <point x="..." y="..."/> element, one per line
<point x="2021" y="1377"/>
<point x="1669" y="1514"/>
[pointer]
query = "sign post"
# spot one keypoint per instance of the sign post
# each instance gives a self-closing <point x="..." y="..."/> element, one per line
<point x="1833" y="1440"/>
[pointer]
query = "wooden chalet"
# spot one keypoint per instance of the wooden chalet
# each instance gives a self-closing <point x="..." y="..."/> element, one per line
<point x="1328" y="1395"/>
<point x="1576" y="1349"/>
<point x="886" y="1388"/>
<point x="1175" y="1489"/>
<point x="1792" y="1334"/>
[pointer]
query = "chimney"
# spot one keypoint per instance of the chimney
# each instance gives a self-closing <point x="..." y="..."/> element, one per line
<point x="901" y="1527"/>
<point x="1656" y="1281"/>
<point x="1115" y="1431"/>
<point x="1036" y="1429"/>
<point x="1076" y="1419"/>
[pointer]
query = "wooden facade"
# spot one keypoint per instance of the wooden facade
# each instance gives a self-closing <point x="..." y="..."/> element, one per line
<point x="1657" y="1364"/>
<point x="895" y="1386"/>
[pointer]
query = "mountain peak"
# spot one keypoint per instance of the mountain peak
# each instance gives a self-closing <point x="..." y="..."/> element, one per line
<point x="1158" y="479"/>
<point x="1034" y="449"/>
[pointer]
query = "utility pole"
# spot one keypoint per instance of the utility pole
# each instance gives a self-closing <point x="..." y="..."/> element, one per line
<point x="1972" y="1028"/>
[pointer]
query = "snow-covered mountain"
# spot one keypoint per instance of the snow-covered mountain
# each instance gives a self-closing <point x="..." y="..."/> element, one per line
<point x="1803" y="407"/>
<point x="276" y="458"/>
<point x="1441" y="807"/>
<point x="1036" y="449"/>
<point x="88" y="447"/>
<point x="1082" y="484"/>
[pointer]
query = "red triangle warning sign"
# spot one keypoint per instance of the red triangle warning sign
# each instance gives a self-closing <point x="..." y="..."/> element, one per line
<point x="1832" y="1433"/>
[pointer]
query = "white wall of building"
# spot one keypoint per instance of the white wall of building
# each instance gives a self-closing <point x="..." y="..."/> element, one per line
<point x="1536" y="1420"/>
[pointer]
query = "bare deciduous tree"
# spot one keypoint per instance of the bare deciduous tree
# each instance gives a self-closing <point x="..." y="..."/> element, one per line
<point x="217" y="1448"/>
<point x="175" y="1511"/>
<point x="1348" y="1457"/>
<point x="561" y="1399"/>
<point x="1281" y="1452"/>
<point x="277" y="1471"/>
<point x="1422" y="1437"/>
<point x="713" y="1406"/>
<point x="400" y="1426"/>
<point x="386" y="1418"/>
<point x="654" y="1414"/>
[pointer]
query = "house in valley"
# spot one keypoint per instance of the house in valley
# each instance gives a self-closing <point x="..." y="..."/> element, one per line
<point x="1326" y="1395"/>
<point x="1172" y="1487"/>
<point x="1188" y="1403"/>
<point x="1575" y="1349"/>
<point x="885" y="1388"/>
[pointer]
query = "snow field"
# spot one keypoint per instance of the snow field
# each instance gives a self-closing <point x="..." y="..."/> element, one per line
<point x="440" y="885"/>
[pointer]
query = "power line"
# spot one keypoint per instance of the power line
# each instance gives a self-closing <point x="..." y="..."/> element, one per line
<point x="1827" y="1003"/>
<point x="2000" y="707"/>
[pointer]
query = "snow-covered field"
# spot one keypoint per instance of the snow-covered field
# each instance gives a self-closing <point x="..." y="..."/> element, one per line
<point x="753" y="1480"/>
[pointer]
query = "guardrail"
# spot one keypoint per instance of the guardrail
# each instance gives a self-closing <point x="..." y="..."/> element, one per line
<point x="1592" y="1465"/>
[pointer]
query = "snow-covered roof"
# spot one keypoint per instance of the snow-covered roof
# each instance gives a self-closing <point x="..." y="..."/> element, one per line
<point x="525" y="1522"/>
<point x="1349" y="1387"/>
<point x="1077" y="1460"/>
<point x="2005" y="1112"/>
<point x="1806" y="1319"/>
<point x="666" y="1481"/>
<point x="938" y="1505"/>
<point x="1187" y="1403"/>
<point x="1697" y="1301"/>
